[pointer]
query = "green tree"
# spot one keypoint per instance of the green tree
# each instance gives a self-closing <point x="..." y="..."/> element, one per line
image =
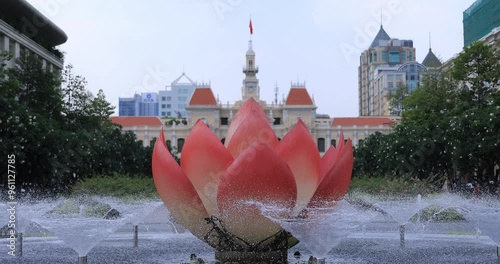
<point x="478" y="67"/>
<point x="100" y="107"/>
<point x="36" y="86"/>
<point x="60" y="133"/>
<point x="76" y="99"/>
<point x="396" y="99"/>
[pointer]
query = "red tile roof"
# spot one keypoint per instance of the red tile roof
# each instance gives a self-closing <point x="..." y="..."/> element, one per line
<point x="361" y="121"/>
<point x="128" y="121"/>
<point x="203" y="96"/>
<point x="298" y="96"/>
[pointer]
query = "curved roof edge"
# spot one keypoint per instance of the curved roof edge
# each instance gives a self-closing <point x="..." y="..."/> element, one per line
<point x="21" y="8"/>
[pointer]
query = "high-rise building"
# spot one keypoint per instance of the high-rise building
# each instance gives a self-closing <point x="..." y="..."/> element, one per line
<point x="385" y="65"/>
<point x="145" y="104"/>
<point x="480" y="20"/>
<point x="25" y="29"/>
<point x="174" y="99"/>
<point x="129" y="106"/>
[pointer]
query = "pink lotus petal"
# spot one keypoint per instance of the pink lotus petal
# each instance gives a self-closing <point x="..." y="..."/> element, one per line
<point x="299" y="151"/>
<point x="327" y="161"/>
<point x="257" y="175"/>
<point x="177" y="192"/>
<point x="251" y="126"/>
<point x="204" y="160"/>
<point x="335" y="182"/>
<point x="250" y="106"/>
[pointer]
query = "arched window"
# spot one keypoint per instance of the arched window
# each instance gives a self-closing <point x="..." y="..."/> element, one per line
<point x="334" y="142"/>
<point x="180" y="144"/>
<point x="250" y="63"/>
<point x="321" y="144"/>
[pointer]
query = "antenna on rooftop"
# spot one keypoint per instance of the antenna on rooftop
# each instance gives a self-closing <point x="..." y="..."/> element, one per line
<point x="276" y="93"/>
<point x="430" y="47"/>
<point x="381" y="25"/>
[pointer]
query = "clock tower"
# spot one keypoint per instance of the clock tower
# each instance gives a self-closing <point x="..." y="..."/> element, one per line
<point x="250" y="83"/>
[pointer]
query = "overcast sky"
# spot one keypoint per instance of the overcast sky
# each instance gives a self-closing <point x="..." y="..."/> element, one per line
<point x="127" y="46"/>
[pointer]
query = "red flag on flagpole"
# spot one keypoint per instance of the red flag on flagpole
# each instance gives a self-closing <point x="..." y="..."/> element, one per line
<point x="251" y="27"/>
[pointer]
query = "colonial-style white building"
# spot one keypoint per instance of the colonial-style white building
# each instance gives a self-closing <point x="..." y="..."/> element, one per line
<point x="282" y="115"/>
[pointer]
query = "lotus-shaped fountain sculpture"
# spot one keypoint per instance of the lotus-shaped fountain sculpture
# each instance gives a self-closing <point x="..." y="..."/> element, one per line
<point x="214" y="190"/>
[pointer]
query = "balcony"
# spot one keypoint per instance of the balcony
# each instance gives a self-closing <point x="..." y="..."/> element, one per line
<point x="251" y="70"/>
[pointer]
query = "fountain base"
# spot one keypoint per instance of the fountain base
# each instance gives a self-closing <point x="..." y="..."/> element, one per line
<point x="402" y="236"/>
<point x="498" y="254"/>
<point x="82" y="260"/>
<point x="136" y="236"/>
<point x="278" y="257"/>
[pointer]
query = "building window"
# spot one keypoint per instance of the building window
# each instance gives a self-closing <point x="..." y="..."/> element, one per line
<point x="180" y="144"/>
<point x="334" y="142"/>
<point x="384" y="55"/>
<point x="182" y="98"/>
<point x="394" y="56"/>
<point x="375" y="56"/>
<point x="169" y="113"/>
<point x="403" y="55"/>
<point x="181" y="106"/>
<point x="321" y="144"/>
<point x="398" y="78"/>
<point x="391" y="85"/>
<point x="169" y="106"/>
<point x="169" y="145"/>
<point x="277" y="121"/>
<point x="410" y="57"/>
<point x="169" y="98"/>
<point x="250" y="63"/>
<point x="224" y="121"/>
<point x="162" y="105"/>
<point x="163" y="98"/>
<point x="390" y="77"/>
<point x="223" y="141"/>
<point x="163" y="113"/>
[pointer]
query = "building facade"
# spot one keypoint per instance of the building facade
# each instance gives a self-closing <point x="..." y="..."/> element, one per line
<point x="377" y="72"/>
<point x="174" y="99"/>
<point x="25" y="29"/>
<point x="282" y="115"/>
<point x="480" y="19"/>
<point x="144" y="104"/>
